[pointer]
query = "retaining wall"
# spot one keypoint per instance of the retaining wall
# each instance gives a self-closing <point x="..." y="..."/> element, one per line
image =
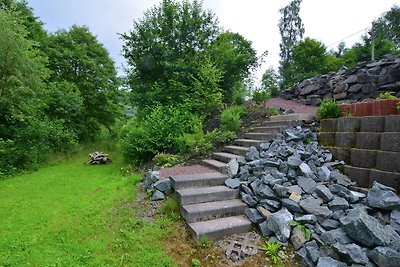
<point x="370" y="147"/>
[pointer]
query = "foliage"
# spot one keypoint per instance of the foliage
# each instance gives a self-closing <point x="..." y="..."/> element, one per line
<point x="158" y="131"/>
<point x="88" y="211"/>
<point x="273" y="111"/>
<point x="230" y="118"/>
<point x="166" y="160"/>
<point x="398" y="106"/>
<point x="388" y="26"/>
<point x="170" y="208"/>
<point x="76" y="57"/>
<point x="272" y="250"/>
<point x="291" y="29"/>
<point x="195" y="263"/>
<point x="260" y="96"/>
<point x="387" y="95"/>
<point x="239" y="93"/>
<point x="205" y="242"/>
<point x="303" y="228"/>
<point x="269" y="82"/>
<point x="235" y="57"/>
<point x="329" y="108"/>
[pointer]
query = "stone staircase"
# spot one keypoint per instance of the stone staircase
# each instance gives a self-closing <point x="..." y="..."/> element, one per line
<point x="212" y="209"/>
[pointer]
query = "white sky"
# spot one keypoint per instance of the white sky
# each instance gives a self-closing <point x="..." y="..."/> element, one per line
<point x="328" y="21"/>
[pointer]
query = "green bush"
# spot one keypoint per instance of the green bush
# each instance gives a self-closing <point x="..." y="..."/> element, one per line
<point x="398" y="106"/>
<point x="156" y="132"/>
<point x="230" y="118"/>
<point x="196" y="143"/>
<point x="166" y="160"/>
<point x="329" y="109"/>
<point x="260" y="96"/>
<point x="387" y="95"/>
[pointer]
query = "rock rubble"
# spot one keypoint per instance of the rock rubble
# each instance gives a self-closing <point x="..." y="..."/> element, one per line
<point x="291" y="179"/>
<point x="158" y="187"/>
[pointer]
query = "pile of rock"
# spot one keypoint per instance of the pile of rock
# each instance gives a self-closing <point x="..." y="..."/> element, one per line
<point x="363" y="82"/>
<point x="156" y="186"/>
<point x="294" y="189"/>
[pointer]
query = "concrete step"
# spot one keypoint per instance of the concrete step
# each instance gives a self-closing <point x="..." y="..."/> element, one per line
<point x="215" y="229"/>
<point x="211" y="210"/>
<point x="224" y="157"/>
<point x="215" y="164"/>
<point x="197" y="180"/>
<point x="248" y="142"/>
<point x="268" y="129"/>
<point x="291" y="117"/>
<point x="286" y="124"/>
<point x="206" y="194"/>
<point x="238" y="150"/>
<point x="260" y="136"/>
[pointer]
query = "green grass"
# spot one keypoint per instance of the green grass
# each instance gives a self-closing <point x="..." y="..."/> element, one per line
<point x="73" y="214"/>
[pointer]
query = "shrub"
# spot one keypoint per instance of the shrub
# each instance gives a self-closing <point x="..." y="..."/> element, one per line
<point x="166" y="160"/>
<point x="195" y="143"/>
<point x="260" y="96"/>
<point x="398" y="106"/>
<point x="230" y="118"/>
<point x="387" y="95"/>
<point x="273" y="111"/>
<point x="328" y="109"/>
<point x="156" y="132"/>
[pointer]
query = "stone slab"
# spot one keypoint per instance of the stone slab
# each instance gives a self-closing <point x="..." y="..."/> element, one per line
<point x="345" y="139"/>
<point x="363" y="158"/>
<point x="359" y="175"/>
<point x="392" y="123"/>
<point x="348" y="124"/>
<point x="388" y="161"/>
<point x="329" y="125"/>
<point x="327" y="138"/>
<point x="341" y="153"/>
<point x="390" y="141"/>
<point x="365" y="140"/>
<point x="372" y="124"/>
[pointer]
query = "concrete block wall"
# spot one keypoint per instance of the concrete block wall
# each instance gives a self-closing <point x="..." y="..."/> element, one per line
<point x="370" y="147"/>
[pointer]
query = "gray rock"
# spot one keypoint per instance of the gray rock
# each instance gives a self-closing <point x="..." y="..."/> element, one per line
<point x="265" y="146"/>
<point x="254" y="216"/>
<point x="395" y="220"/>
<point x="279" y="224"/>
<point x="265" y="231"/>
<point x="323" y="212"/>
<point x="282" y="191"/>
<point x="385" y="257"/>
<point x="341" y="179"/>
<point x="154" y="176"/>
<point x="307" y="184"/>
<point x="329" y="262"/>
<point x="383" y="197"/>
<point x="324" y="173"/>
<point x="271" y="205"/>
<point x="337" y="235"/>
<point x="394" y="238"/>
<point x="294" y="161"/>
<point x="351" y="253"/>
<point x="329" y="224"/>
<point x="232" y="168"/>
<point x="306" y="170"/>
<point x="309" y="204"/>
<point x="291" y="205"/>
<point x="303" y="257"/>
<point x="291" y="174"/>
<point x="232" y="183"/>
<point x="343" y="192"/>
<point x="364" y="228"/>
<point x="252" y="154"/>
<point x="319" y="230"/>
<point x="268" y="178"/>
<point x="298" y="238"/>
<point x="249" y="200"/>
<point x="338" y="203"/>
<point x="313" y="251"/>
<point x="266" y="192"/>
<point x="311" y="218"/>
<point x="324" y="193"/>
<point x="157" y="195"/>
<point x="163" y="185"/>
<point x="246" y="190"/>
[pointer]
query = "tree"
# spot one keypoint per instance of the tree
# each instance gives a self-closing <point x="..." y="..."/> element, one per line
<point x="388" y="26"/>
<point x="75" y="56"/>
<point x="291" y="29"/>
<point x="269" y="82"/>
<point x="168" y="63"/>
<point x="235" y="57"/>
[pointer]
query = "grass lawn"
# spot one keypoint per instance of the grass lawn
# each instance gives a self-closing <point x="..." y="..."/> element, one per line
<point x="73" y="214"/>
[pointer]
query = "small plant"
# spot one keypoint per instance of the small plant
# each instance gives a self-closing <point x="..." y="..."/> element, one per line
<point x="273" y="111"/>
<point x="398" y="106"/>
<point x="303" y="228"/>
<point x="272" y="250"/>
<point x="387" y="95"/>
<point x="205" y="242"/>
<point x="149" y="192"/>
<point x="195" y="262"/>
<point x="260" y="96"/>
<point x="329" y="109"/>
<point x="170" y="208"/>
<point x="166" y="160"/>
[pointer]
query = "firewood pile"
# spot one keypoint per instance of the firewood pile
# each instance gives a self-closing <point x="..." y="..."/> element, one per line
<point x="99" y="158"/>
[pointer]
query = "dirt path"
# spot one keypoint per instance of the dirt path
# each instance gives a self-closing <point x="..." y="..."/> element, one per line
<point x="288" y="104"/>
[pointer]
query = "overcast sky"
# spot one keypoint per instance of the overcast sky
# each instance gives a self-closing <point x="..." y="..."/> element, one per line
<point x="328" y="21"/>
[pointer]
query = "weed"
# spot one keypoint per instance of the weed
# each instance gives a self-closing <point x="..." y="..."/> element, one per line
<point x="303" y="228"/>
<point x="195" y="263"/>
<point x="387" y="95"/>
<point x="329" y="109"/>
<point x="205" y="242"/>
<point x="273" y="111"/>
<point x="272" y="250"/>
<point x="149" y="192"/>
<point x="170" y="208"/>
<point x="398" y="106"/>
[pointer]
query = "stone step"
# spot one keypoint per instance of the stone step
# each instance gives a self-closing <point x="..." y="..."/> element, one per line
<point x="238" y="150"/>
<point x="206" y="194"/>
<point x="197" y="180"/>
<point x="224" y="157"/>
<point x="291" y="117"/>
<point x="215" y="164"/>
<point x="268" y="129"/>
<point x="286" y="124"/>
<point x="260" y="136"/>
<point x="215" y="229"/>
<point x="248" y="142"/>
<point x="211" y="210"/>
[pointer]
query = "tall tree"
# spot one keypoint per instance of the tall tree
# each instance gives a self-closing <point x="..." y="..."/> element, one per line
<point x="75" y="56"/>
<point x="388" y="26"/>
<point x="269" y="82"/>
<point x="291" y="29"/>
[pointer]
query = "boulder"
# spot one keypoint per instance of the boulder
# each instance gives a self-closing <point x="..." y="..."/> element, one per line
<point x="254" y="216"/>
<point x="279" y="224"/>
<point x="351" y="253"/>
<point x="157" y="195"/>
<point x="324" y="193"/>
<point x="383" y="197"/>
<point x="307" y="184"/>
<point x="163" y="185"/>
<point x="384" y="257"/>
<point x="298" y="238"/>
<point x="252" y="154"/>
<point x="232" y="183"/>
